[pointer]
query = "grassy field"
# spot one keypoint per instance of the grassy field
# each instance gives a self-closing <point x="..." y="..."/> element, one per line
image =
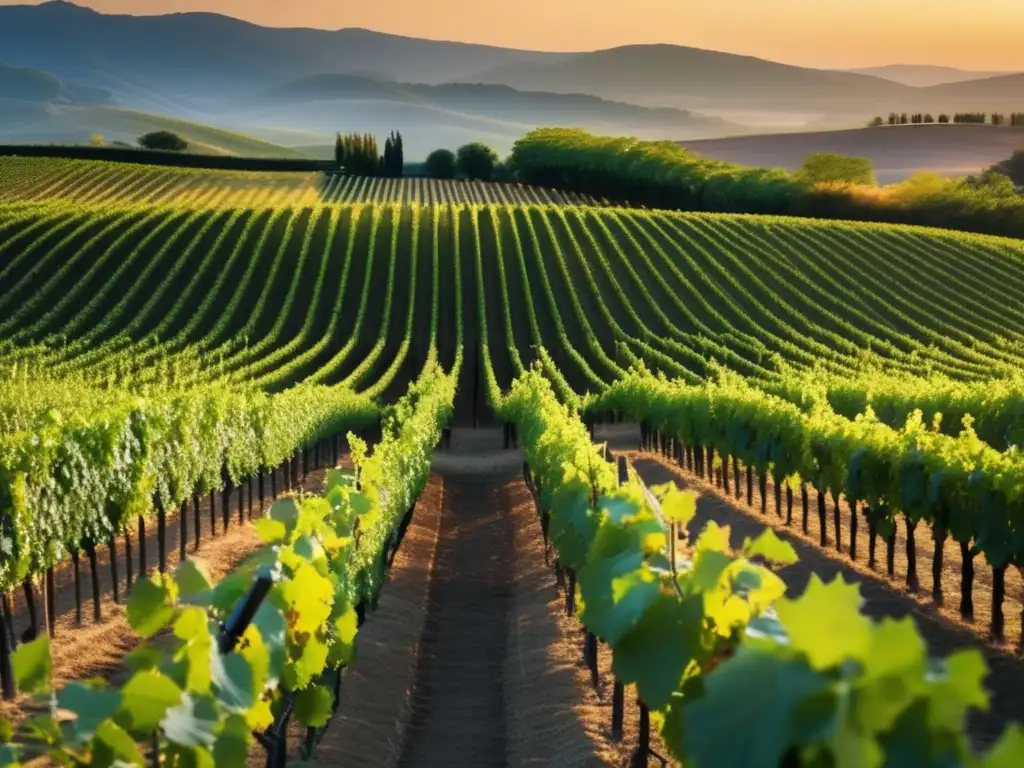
<point x="897" y="152"/>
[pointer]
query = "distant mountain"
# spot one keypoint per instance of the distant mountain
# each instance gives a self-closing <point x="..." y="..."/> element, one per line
<point x="692" y="77"/>
<point x="453" y="113"/>
<point x="191" y="60"/>
<point x="924" y="75"/>
<point x="29" y="84"/>
<point x="1000" y="92"/>
<point x="212" y="68"/>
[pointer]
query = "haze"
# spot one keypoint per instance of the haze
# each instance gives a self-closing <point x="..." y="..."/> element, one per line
<point x="980" y="34"/>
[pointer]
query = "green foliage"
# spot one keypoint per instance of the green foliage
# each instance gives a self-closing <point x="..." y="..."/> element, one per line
<point x="830" y="168"/>
<point x="129" y="450"/>
<point x="661" y="174"/>
<point x="163" y="140"/>
<point x="824" y="684"/>
<point x="476" y="161"/>
<point x="325" y="557"/>
<point x="440" y="164"/>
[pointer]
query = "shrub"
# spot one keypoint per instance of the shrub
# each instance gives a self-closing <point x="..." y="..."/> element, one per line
<point x="826" y="167"/>
<point x="476" y="161"/>
<point x="440" y="164"/>
<point x="165" y="140"/>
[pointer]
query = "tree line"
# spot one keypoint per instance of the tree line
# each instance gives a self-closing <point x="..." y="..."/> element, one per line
<point x="661" y="174"/>
<point x="1013" y="119"/>
<point x="360" y="155"/>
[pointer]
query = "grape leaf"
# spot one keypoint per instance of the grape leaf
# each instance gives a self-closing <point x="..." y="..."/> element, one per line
<point x="656" y="652"/>
<point x="33" y="667"/>
<point x="825" y="623"/>
<point x="149" y="608"/>
<point x="146" y="697"/>
<point x="91" y="706"/>
<point x="286" y="512"/>
<point x="770" y="547"/>
<point x="232" y="676"/>
<point x="193" y="583"/>
<point x="1008" y="751"/>
<point x="616" y="592"/>
<point x="313" y="706"/>
<point x="310" y="596"/>
<point x="113" y="746"/>
<point x="272" y="626"/>
<point x="232" y="745"/>
<point x="754" y="686"/>
<point x="192" y="723"/>
<point x="679" y="507"/>
<point x="343" y="650"/>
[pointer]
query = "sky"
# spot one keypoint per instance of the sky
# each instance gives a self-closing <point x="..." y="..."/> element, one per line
<point x="971" y="34"/>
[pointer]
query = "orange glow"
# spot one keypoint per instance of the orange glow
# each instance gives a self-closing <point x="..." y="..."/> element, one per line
<point x="973" y="34"/>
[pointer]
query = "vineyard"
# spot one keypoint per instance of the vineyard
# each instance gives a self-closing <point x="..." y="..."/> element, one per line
<point x="174" y="342"/>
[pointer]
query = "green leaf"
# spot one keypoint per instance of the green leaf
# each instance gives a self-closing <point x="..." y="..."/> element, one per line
<point x="33" y="667"/>
<point x="310" y="596"/>
<point x="313" y="706"/>
<point x="233" y="678"/>
<point x="616" y="592"/>
<point x="825" y="623"/>
<point x="343" y="650"/>
<point x="707" y="571"/>
<point x="1008" y="751"/>
<point x="192" y="723"/>
<point x="146" y="697"/>
<point x="755" y="686"/>
<point x="113" y="746"/>
<point x="145" y="657"/>
<point x="285" y="511"/>
<point x="231" y="589"/>
<point x="149" y="607"/>
<point x="193" y="583"/>
<point x="270" y="531"/>
<point x="656" y="652"/>
<point x="232" y="745"/>
<point x="90" y="705"/>
<point x="679" y="507"/>
<point x="272" y="626"/>
<point x="771" y="548"/>
<point x="310" y="664"/>
<point x="957" y="684"/>
<point x="340" y="478"/>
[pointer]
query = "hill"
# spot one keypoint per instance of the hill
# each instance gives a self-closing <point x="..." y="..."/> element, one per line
<point x="192" y="59"/>
<point x="897" y="151"/>
<point x="29" y="84"/>
<point x="693" y="77"/>
<point x="451" y="114"/>
<point x="924" y="75"/>
<point x="33" y="122"/>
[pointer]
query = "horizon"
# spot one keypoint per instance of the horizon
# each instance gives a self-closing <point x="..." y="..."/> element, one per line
<point x="826" y="39"/>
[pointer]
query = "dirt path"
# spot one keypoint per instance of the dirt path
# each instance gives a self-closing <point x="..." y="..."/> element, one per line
<point x="943" y="633"/>
<point x="469" y="660"/>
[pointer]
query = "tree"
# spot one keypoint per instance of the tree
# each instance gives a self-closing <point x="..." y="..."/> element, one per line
<point x="876" y="122"/>
<point x="440" y="164"/>
<point x="339" y="150"/>
<point x="164" y="140"/>
<point x="476" y="161"/>
<point x="96" y="140"/>
<point x="399" y="154"/>
<point x="826" y="167"/>
<point x="1013" y="167"/>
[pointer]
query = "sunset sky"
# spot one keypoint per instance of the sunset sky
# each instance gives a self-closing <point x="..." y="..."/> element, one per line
<point x="973" y="34"/>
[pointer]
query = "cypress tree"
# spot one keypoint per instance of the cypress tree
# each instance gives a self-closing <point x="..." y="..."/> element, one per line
<point x="399" y="155"/>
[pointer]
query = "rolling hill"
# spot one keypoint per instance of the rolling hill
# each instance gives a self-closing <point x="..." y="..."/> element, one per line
<point x="896" y="152"/>
<point x="31" y="122"/>
<point x="448" y="115"/>
<point x="924" y="75"/>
